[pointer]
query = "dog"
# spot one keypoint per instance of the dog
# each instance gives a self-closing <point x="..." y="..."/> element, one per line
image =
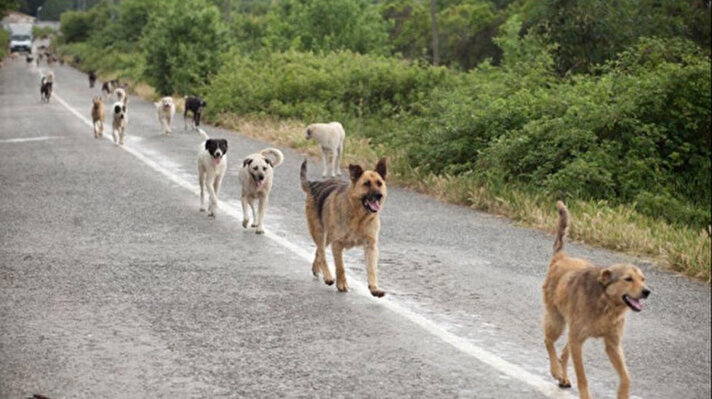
<point x="195" y="105"/>
<point x="166" y="109"/>
<point x="592" y="303"/>
<point x="118" y="124"/>
<point x="344" y="215"/>
<point x="46" y="83"/>
<point x="97" y="116"/>
<point x="212" y="164"/>
<point x="330" y="137"/>
<point x="92" y="79"/>
<point x="109" y="86"/>
<point x="256" y="180"/>
<point x="121" y="96"/>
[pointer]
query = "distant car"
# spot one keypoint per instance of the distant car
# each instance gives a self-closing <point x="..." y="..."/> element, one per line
<point x="20" y="37"/>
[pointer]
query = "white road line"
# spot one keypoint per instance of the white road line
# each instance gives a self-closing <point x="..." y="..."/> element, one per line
<point x="26" y="139"/>
<point x="544" y="386"/>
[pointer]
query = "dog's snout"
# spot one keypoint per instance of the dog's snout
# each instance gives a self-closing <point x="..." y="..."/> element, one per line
<point x="260" y="177"/>
<point x="646" y="292"/>
<point x="377" y="195"/>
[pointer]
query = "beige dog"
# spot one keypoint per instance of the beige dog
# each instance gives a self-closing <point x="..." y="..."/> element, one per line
<point x="256" y="180"/>
<point x="345" y="215"/>
<point x="166" y="109"/>
<point x="592" y="302"/>
<point x="97" y="116"/>
<point x="330" y="137"/>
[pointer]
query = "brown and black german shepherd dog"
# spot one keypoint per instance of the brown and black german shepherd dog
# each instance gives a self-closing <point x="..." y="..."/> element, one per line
<point x="344" y="215"/>
<point x="592" y="302"/>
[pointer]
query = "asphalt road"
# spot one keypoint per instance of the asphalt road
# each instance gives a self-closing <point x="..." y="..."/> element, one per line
<point x="113" y="284"/>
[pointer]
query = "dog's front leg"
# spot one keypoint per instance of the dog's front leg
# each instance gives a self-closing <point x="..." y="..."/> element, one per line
<point x="212" y="196"/>
<point x="114" y="134"/>
<point x="261" y="207"/>
<point x="338" y="250"/>
<point x="324" y="154"/>
<point x="576" y="348"/>
<point x="615" y="354"/>
<point x="245" y="212"/>
<point x="372" y="266"/>
<point x="201" y="180"/>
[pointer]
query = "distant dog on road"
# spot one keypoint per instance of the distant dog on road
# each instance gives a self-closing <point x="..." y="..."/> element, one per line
<point x="592" y="302"/>
<point x="256" y="180"/>
<point x="346" y="215"/>
<point x="108" y="87"/>
<point x="92" y="79"/>
<point x="330" y="137"/>
<point x="119" y="122"/>
<point x="212" y="164"/>
<point x="46" y="83"/>
<point x="120" y="95"/>
<point x="166" y="109"/>
<point x="195" y="105"/>
<point x="97" y="117"/>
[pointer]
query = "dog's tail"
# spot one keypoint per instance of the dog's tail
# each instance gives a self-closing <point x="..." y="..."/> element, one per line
<point x="204" y="134"/>
<point x="275" y="155"/>
<point x="561" y="228"/>
<point x="303" y="177"/>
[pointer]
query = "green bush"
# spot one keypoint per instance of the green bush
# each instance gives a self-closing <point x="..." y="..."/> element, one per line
<point x="182" y="45"/>
<point x="4" y="43"/>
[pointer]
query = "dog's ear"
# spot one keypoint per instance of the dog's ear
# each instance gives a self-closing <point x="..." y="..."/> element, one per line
<point x="355" y="171"/>
<point x="268" y="161"/>
<point x="246" y="162"/>
<point x="605" y="276"/>
<point x="382" y="168"/>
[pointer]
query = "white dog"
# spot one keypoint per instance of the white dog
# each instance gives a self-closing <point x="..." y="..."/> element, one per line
<point x="212" y="164"/>
<point x="256" y="180"/>
<point x="166" y="110"/>
<point x="330" y="137"/>
<point x="119" y="122"/>
<point x="121" y="96"/>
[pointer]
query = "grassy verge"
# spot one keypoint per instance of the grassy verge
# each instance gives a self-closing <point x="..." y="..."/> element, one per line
<point x="618" y="227"/>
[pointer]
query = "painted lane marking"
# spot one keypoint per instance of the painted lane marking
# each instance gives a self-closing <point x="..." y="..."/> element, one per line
<point x="543" y="386"/>
<point x="26" y="139"/>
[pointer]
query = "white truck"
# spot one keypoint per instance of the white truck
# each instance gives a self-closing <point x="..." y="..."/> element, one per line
<point x="21" y="37"/>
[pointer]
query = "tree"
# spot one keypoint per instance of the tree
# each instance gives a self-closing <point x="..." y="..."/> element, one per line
<point x="434" y="28"/>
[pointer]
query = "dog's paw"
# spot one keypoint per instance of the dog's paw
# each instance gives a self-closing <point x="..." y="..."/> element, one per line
<point x="253" y="225"/>
<point x="329" y="281"/>
<point x="202" y="209"/>
<point x="259" y="231"/>
<point x="376" y="292"/>
<point x="211" y="214"/>
<point x="342" y="287"/>
<point x="245" y="223"/>
<point x="564" y="383"/>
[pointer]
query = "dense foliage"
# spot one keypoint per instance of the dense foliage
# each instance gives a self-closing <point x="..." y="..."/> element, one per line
<point x="583" y="99"/>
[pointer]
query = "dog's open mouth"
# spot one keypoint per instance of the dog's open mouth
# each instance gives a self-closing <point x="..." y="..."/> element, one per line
<point x="633" y="303"/>
<point x="371" y="204"/>
<point x="216" y="160"/>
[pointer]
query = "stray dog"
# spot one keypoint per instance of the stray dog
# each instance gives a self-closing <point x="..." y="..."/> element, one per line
<point x="97" y="117"/>
<point x="46" y="83"/>
<point x="330" y="137"/>
<point x="166" y="110"/>
<point x="121" y="96"/>
<point x="344" y="215"/>
<point x="256" y="180"/>
<point x="109" y="86"/>
<point x="212" y="164"/>
<point x="195" y="105"/>
<point x="592" y="302"/>
<point x="119" y="122"/>
<point x="92" y="79"/>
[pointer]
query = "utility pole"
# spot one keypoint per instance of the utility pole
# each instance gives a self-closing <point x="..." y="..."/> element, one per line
<point x="434" y="28"/>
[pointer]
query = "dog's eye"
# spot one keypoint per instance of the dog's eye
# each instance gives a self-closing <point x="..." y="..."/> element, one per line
<point x="629" y="279"/>
<point x="379" y="183"/>
<point x="264" y="168"/>
<point x="255" y="168"/>
<point x="367" y="183"/>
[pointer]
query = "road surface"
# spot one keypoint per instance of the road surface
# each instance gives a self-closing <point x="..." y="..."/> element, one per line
<point x="113" y="284"/>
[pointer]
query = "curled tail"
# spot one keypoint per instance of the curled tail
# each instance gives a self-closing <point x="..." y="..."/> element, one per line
<point x="204" y="134"/>
<point x="276" y="156"/>
<point x="561" y="228"/>
<point x="303" y="177"/>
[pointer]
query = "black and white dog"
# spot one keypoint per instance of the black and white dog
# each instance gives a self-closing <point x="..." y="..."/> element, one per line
<point x="119" y="122"/>
<point x="46" y="86"/>
<point x="194" y="105"/>
<point x="212" y="164"/>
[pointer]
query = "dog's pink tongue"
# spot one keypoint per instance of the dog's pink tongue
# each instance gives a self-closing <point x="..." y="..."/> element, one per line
<point x="216" y="160"/>
<point x="636" y="304"/>
<point x="259" y="183"/>
<point x="374" y="205"/>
